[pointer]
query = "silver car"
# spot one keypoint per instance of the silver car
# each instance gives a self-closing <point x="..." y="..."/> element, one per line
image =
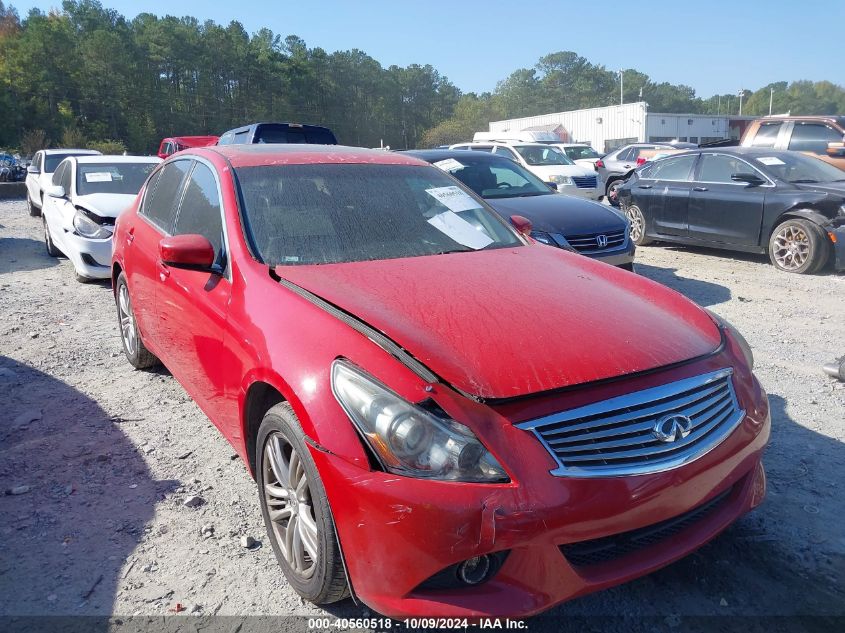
<point x="616" y="166"/>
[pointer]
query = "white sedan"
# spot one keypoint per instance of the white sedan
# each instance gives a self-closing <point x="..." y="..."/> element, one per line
<point x="80" y="208"/>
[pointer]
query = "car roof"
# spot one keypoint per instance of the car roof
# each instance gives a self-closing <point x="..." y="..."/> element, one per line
<point x="80" y="152"/>
<point x="302" y="154"/>
<point x="96" y="159"/>
<point x="434" y="155"/>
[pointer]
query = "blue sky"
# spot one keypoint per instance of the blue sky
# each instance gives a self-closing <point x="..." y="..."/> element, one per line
<point x="716" y="46"/>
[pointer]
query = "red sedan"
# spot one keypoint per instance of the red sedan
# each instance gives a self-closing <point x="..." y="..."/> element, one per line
<point x="441" y="415"/>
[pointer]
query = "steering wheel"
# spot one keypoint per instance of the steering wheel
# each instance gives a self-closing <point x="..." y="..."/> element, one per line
<point x="504" y="185"/>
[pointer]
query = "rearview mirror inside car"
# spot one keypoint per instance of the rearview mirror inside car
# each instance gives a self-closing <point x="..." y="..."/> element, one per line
<point x="749" y="178"/>
<point x="189" y="252"/>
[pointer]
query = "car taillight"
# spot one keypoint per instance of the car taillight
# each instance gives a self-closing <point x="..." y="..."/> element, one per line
<point x="599" y="163"/>
<point x="640" y="161"/>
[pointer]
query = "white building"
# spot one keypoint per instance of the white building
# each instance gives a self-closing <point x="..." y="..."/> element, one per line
<point x="613" y="126"/>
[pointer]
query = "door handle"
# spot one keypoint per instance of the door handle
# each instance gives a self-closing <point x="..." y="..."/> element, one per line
<point x="163" y="272"/>
<point x="627" y="167"/>
<point x="130" y="236"/>
<point x="699" y="188"/>
<point x="645" y="186"/>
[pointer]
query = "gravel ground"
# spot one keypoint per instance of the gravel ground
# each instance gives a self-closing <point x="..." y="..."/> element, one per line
<point x="102" y="458"/>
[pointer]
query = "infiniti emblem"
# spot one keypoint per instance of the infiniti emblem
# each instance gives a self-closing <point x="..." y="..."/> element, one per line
<point x="671" y="428"/>
<point x="601" y="240"/>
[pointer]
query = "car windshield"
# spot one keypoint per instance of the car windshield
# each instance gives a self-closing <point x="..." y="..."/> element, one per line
<point x="537" y="155"/>
<point x="494" y="178"/>
<point x="581" y="152"/>
<point x="51" y="161"/>
<point x="799" y="168"/>
<point x="125" y="178"/>
<point x="333" y="213"/>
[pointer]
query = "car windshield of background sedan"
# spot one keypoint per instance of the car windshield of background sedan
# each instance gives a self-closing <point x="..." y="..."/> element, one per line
<point x="121" y="178"/>
<point x="580" y="153"/>
<point x="538" y="156"/>
<point x="323" y="214"/>
<point x="502" y="179"/>
<point x="798" y="168"/>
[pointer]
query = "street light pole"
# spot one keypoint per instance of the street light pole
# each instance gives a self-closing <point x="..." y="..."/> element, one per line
<point x="741" y="93"/>
<point x="621" y="86"/>
<point x="771" y="96"/>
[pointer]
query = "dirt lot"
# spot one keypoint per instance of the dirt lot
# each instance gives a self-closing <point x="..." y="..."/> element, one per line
<point x="104" y="456"/>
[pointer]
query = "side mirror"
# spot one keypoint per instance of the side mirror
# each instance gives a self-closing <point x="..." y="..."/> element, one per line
<point x="748" y="178"/>
<point x="189" y="252"/>
<point x="836" y="150"/>
<point x="552" y="186"/>
<point x="32" y="169"/>
<point x="521" y="224"/>
<point x="56" y="191"/>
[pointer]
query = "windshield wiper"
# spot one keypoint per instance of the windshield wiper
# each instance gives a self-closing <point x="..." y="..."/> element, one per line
<point x="533" y="193"/>
<point x="454" y="250"/>
<point x="803" y="181"/>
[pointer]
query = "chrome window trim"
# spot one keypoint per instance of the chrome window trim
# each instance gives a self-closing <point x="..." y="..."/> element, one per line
<point x="642" y="397"/>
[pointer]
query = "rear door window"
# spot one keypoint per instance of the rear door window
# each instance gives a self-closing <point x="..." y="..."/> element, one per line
<point x="678" y="169"/>
<point x="766" y="135"/>
<point x="163" y="194"/>
<point x="200" y="212"/>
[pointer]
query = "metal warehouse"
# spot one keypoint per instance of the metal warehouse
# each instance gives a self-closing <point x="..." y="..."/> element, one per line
<point x="614" y="126"/>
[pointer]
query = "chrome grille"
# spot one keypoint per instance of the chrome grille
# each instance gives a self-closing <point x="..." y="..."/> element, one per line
<point x="585" y="182"/>
<point x="590" y="243"/>
<point x="615" y="437"/>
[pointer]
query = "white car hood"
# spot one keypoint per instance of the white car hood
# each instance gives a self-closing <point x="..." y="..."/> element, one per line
<point x="544" y="171"/>
<point x="587" y="163"/>
<point x="106" y="205"/>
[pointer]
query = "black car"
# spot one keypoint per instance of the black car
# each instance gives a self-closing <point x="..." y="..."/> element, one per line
<point x="278" y="133"/>
<point x="559" y="220"/>
<point x="786" y="204"/>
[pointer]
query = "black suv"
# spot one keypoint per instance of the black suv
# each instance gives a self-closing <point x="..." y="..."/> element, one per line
<point x="278" y="133"/>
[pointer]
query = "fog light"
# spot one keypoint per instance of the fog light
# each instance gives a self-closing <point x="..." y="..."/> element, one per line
<point x="475" y="570"/>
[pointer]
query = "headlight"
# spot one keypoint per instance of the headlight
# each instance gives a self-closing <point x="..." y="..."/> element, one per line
<point x="86" y="227"/>
<point x="738" y="338"/>
<point x="408" y="439"/>
<point x="560" y="180"/>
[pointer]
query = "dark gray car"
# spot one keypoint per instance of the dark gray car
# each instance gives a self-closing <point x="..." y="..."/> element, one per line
<point x="576" y="224"/>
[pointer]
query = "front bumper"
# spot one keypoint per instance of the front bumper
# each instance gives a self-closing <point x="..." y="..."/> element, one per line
<point x="619" y="257"/>
<point x="90" y="258"/>
<point x="397" y="532"/>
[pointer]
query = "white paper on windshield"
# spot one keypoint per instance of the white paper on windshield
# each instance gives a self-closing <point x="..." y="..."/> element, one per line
<point x="98" y="176"/>
<point x="771" y="160"/>
<point x="450" y="164"/>
<point x="454" y="198"/>
<point x="460" y="230"/>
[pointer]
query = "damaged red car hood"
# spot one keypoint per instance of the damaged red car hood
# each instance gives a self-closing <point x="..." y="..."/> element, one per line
<point x="516" y="321"/>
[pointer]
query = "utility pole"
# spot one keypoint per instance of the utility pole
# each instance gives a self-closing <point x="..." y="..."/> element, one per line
<point x="741" y="94"/>
<point x="719" y="107"/>
<point x="771" y="96"/>
<point x="621" y="86"/>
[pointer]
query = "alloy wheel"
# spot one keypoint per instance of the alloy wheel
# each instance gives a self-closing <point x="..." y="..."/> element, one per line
<point x="635" y="216"/>
<point x="791" y="247"/>
<point x="289" y="505"/>
<point x="127" y="320"/>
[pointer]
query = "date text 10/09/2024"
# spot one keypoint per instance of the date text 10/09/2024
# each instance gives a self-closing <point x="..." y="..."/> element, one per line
<point x="382" y="624"/>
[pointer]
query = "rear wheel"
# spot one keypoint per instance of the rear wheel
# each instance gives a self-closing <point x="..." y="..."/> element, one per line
<point x="33" y="210"/>
<point x="637" y="220"/>
<point x="296" y="510"/>
<point x="52" y="251"/>
<point x="136" y="353"/>
<point x="612" y="191"/>
<point x="799" y="246"/>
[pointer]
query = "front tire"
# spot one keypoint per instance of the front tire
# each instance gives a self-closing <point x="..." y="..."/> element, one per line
<point x="296" y="510"/>
<point x="52" y="251"/>
<point x="799" y="246"/>
<point x="136" y="353"/>
<point x="638" y="228"/>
